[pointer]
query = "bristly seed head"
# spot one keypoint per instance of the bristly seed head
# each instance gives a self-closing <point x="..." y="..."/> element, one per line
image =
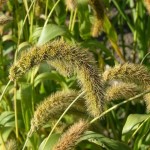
<point x="128" y="72"/>
<point x="121" y="91"/>
<point x="53" y="106"/>
<point x="67" y="60"/>
<point x="69" y="139"/>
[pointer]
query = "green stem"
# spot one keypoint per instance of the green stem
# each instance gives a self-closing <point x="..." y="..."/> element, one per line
<point x="5" y="89"/>
<point x="46" y="8"/>
<point x="51" y="13"/>
<point x="70" y="21"/>
<point x="15" y="107"/>
<point x="62" y="117"/>
<point x="19" y="36"/>
<point x="116" y="106"/>
<point x="28" y="135"/>
<point x="73" y="20"/>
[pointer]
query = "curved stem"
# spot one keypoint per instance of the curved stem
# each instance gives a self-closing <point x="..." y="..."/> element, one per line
<point x="62" y="117"/>
<point x="28" y="135"/>
<point x="5" y="89"/>
<point x="116" y="106"/>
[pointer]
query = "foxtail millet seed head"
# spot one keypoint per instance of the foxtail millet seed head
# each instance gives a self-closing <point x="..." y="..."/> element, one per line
<point x="69" y="139"/>
<point x="5" y="19"/>
<point x="99" y="13"/>
<point x="12" y="144"/>
<point x="52" y="107"/>
<point x="67" y="60"/>
<point x="89" y="79"/>
<point x="60" y="54"/>
<point x="121" y="91"/>
<point x="128" y="72"/>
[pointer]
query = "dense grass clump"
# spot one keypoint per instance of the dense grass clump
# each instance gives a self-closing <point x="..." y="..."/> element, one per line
<point x="74" y="75"/>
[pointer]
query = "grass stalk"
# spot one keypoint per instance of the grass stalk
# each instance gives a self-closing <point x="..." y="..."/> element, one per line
<point x="15" y="107"/>
<point x="5" y="90"/>
<point x="81" y="94"/>
<point x="19" y="36"/>
<point x="118" y="105"/>
<point x="51" y="13"/>
<point x="73" y="20"/>
<point x="70" y="21"/>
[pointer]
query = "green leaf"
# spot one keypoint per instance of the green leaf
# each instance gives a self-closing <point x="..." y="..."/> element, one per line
<point x="103" y="141"/>
<point x="48" y="76"/>
<point x="5" y="133"/>
<point x="50" y="32"/>
<point x="133" y="122"/>
<point x="51" y="142"/>
<point x="84" y="21"/>
<point x="26" y="103"/>
<point x="5" y="117"/>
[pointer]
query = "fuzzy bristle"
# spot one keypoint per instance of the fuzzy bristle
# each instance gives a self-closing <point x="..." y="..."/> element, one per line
<point x="128" y="72"/>
<point x="67" y="60"/>
<point x="91" y="83"/>
<point x="96" y="28"/>
<point x="99" y="13"/>
<point x="5" y="19"/>
<point x="69" y="139"/>
<point x="147" y="5"/>
<point x="121" y="91"/>
<point x="52" y="107"/>
<point x="38" y="8"/>
<point x="12" y="144"/>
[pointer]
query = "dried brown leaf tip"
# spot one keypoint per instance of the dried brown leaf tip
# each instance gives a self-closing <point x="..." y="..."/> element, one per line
<point x="99" y="13"/>
<point x="147" y="5"/>
<point x="121" y="91"/>
<point x="5" y="19"/>
<point x="69" y="139"/>
<point x="128" y="72"/>
<point x="67" y="60"/>
<point x="53" y="106"/>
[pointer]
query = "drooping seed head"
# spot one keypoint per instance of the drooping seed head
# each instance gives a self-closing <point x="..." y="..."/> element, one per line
<point x="69" y="139"/>
<point x="52" y="107"/>
<point x="128" y="72"/>
<point x="121" y="91"/>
